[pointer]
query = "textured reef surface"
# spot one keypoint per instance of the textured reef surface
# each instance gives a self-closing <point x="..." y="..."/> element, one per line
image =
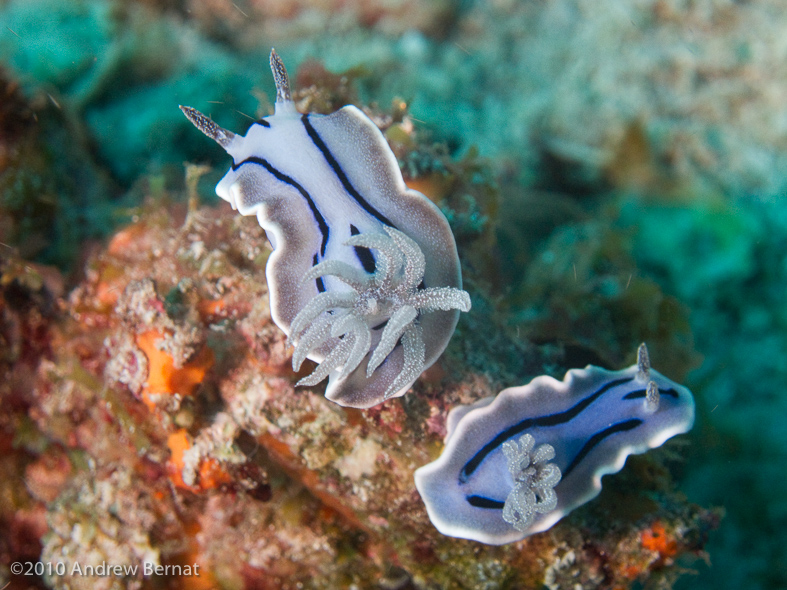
<point x="154" y="417"/>
<point x="613" y="173"/>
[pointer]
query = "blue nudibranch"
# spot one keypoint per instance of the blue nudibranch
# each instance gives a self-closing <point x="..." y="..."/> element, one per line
<point x="364" y="277"/>
<point x="517" y="463"/>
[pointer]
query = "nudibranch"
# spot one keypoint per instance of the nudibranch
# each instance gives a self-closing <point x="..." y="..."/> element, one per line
<point x="364" y="277"/>
<point x="515" y="464"/>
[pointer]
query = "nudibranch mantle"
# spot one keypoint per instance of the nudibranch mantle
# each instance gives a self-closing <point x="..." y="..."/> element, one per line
<point x="328" y="191"/>
<point x="491" y="485"/>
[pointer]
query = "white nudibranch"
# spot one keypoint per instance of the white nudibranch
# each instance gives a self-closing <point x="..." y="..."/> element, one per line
<point x="364" y="277"/>
<point x="515" y="464"/>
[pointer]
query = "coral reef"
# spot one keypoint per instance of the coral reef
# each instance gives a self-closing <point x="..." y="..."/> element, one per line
<point x="50" y="186"/>
<point x="165" y="453"/>
<point x="515" y="118"/>
<point x="33" y="471"/>
<point x="672" y="93"/>
<point x="282" y="20"/>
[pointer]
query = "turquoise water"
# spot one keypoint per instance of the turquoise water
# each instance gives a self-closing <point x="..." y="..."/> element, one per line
<point x="661" y="122"/>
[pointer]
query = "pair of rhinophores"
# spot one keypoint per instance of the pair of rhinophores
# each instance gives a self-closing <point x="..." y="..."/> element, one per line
<point x="365" y="280"/>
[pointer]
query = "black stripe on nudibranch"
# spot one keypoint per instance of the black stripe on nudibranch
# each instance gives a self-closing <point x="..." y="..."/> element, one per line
<point x="364" y="255"/>
<point x="320" y="283"/>
<point x="482" y="502"/>
<point x="592" y="442"/>
<point x="597" y="438"/>
<point x="337" y="169"/>
<point x="321" y="224"/>
<point x="549" y="420"/>
<point x="641" y="393"/>
<point x="262" y="122"/>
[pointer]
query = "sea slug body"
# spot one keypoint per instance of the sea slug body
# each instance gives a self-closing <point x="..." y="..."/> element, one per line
<point x="364" y="277"/>
<point x="515" y="464"/>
